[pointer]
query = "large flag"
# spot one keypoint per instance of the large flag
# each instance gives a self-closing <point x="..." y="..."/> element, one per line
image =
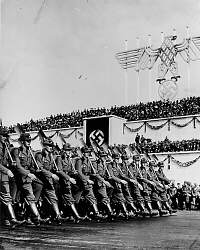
<point x="97" y="129"/>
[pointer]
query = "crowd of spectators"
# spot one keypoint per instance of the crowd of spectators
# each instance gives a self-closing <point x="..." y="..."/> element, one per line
<point x="185" y="196"/>
<point x="146" y="145"/>
<point x="141" y="111"/>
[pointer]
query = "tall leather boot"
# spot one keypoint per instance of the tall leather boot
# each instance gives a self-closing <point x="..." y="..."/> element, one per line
<point x="133" y="208"/>
<point x="152" y="211"/>
<point x="78" y="217"/>
<point x="13" y="221"/>
<point x="98" y="216"/>
<point x="110" y="212"/>
<point x="36" y="215"/>
<point x="161" y="211"/>
<point x="57" y="212"/>
<point x="144" y="211"/>
<point x="124" y="210"/>
<point x="169" y="208"/>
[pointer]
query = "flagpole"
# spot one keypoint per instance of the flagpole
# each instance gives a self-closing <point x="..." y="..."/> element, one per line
<point x="1" y="39"/>
<point x="138" y="75"/>
<point x="126" y="77"/>
<point x="149" y="89"/>
<point x="188" y="61"/>
<point x="1" y="2"/>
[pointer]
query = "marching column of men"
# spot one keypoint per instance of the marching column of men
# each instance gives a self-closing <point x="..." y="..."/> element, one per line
<point x="55" y="184"/>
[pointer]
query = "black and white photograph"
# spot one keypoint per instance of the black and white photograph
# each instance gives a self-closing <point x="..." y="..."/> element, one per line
<point x="99" y="124"/>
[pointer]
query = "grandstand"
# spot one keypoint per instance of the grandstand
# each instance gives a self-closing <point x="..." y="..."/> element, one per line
<point x="168" y="129"/>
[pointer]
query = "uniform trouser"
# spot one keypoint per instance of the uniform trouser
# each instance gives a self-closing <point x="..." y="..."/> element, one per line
<point x="88" y="194"/>
<point x="146" y="194"/>
<point x="48" y="191"/>
<point x="155" y="195"/>
<point x="64" y="191"/>
<point x="5" y="199"/>
<point x="13" y="189"/>
<point x="127" y="194"/>
<point x="29" y="189"/>
<point x="27" y="192"/>
<point x="84" y="190"/>
<point x="5" y="196"/>
<point x="101" y="194"/>
<point x="117" y="195"/>
<point x="163" y="196"/>
<point x="136" y="193"/>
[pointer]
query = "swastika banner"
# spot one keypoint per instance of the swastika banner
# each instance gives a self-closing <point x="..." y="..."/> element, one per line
<point x="97" y="129"/>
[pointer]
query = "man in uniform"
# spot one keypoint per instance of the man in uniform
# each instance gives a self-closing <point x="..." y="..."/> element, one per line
<point x="86" y="184"/>
<point x="28" y="184"/>
<point x="46" y="173"/>
<point x="99" y="174"/>
<point x="117" y="182"/>
<point x="65" y="171"/>
<point x="125" y="175"/>
<point x="164" y="181"/>
<point x="5" y="176"/>
<point x="154" y="187"/>
<point x="135" y="186"/>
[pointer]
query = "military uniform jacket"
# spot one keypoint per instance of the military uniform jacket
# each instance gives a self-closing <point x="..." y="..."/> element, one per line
<point x="3" y="163"/>
<point x="45" y="163"/>
<point x="67" y="164"/>
<point x="100" y="173"/>
<point x="145" y="175"/>
<point x="162" y="177"/>
<point x="134" y="173"/>
<point x="23" y="162"/>
<point x="114" y="171"/>
<point x="61" y="167"/>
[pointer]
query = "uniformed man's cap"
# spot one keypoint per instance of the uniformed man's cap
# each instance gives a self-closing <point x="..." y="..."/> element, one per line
<point x="160" y="164"/>
<point x="4" y="132"/>
<point x="136" y="157"/>
<point x="115" y="155"/>
<point x="47" y="142"/>
<point x="25" y="137"/>
<point x="143" y="160"/>
<point x="124" y="157"/>
<point x="67" y="147"/>
<point x="152" y="163"/>
<point x="86" y="150"/>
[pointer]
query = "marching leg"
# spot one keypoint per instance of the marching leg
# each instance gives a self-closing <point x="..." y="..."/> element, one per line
<point x="78" y="217"/>
<point x="14" y="221"/>
<point x="151" y="210"/>
<point x="57" y="212"/>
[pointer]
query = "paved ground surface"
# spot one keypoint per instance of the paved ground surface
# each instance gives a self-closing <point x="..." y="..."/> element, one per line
<point x="173" y="232"/>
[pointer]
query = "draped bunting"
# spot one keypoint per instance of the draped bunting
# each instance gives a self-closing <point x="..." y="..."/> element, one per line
<point x="58" y="133"/>
<point x="197" y="120"/>
<point x="157" y="127"/>
<point x="185" y="164"/>
<point x="68" y="135"/>
<point x="133" y="129"/>
<point x="51" y="136"/>
<point x="180" y="164"/>
<point x="164" y="159"/>
<point x="182" y="125"/>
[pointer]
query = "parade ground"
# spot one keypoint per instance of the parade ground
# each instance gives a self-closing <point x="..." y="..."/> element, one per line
<point x="173" y="232"/>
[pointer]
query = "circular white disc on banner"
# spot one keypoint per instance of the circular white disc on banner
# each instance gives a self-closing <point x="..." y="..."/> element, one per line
<point x="167" y="90"/>
<point x="97" y="136"/>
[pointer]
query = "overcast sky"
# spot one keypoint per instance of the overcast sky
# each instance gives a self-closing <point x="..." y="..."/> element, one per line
<point x="59" y="56"/>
